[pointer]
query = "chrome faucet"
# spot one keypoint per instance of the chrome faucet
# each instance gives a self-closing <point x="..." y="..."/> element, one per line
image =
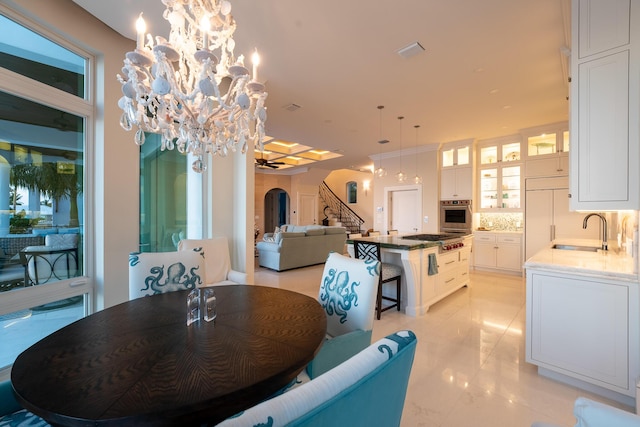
<point x="605" y="245"/>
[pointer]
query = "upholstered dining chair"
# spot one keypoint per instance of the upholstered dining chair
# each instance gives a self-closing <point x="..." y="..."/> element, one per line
<point x="369" y="389"/>
<point x="348" y="295"/>
<point x="392" y="232"/>
<point x="374" y="233"/>
<point x="12" y="414"/>
<point x="159" y="272"/>
<point x="390" y="272"/>
<point x="217" y="259"/>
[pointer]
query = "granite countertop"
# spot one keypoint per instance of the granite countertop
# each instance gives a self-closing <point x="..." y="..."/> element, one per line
<point x="613" y="264"/>
<point x="398" y="242"/>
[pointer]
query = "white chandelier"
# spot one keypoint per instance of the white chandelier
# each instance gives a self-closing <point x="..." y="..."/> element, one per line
<point x="190" y="88"/>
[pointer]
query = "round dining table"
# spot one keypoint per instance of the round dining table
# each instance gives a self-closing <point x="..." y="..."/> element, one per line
<point x="138" y="363"/>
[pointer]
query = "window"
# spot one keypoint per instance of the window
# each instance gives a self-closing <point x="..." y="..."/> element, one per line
<point x="42" y="181"/>
<point x="352" y="192"/>
<point x="166" y="184"/>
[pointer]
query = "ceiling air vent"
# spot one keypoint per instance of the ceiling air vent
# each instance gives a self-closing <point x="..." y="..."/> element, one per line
<point x="410" y="50"/>
<point x="292" y="107"/>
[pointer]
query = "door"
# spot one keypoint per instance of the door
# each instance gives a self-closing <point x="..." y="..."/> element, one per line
<point x="404" y="211"/>
<point x="307" y="209"/>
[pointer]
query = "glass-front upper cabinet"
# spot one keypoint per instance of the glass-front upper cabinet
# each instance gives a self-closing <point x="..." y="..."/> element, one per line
<point x="500" y="173"/>
<point x="502" y="151"/>
<point x="456" y="154"/>
<point x="547" y="150"/>
<point x="546" y="140"/>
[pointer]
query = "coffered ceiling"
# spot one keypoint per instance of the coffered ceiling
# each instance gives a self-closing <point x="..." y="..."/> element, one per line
<point x="489" y="68"/>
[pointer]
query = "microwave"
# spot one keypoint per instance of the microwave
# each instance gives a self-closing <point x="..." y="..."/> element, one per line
<point x="455" y="216"/>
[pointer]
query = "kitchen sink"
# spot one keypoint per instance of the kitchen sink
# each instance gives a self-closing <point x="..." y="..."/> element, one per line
<point x="575" y="248"/>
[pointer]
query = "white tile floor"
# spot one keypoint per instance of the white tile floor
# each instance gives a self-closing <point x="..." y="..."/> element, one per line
<point x="470" y="364"/>
<point x="469" y="367"/>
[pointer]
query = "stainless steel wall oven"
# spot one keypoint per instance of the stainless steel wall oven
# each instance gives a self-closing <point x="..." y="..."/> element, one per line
<point x="455" y="216"/>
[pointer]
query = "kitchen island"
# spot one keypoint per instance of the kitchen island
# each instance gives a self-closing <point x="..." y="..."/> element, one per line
<point x="582" y="318"/>
<point x="423" y="286"/>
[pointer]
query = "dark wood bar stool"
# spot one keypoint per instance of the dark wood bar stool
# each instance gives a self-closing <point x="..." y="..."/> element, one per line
<point x="390" y="272"/>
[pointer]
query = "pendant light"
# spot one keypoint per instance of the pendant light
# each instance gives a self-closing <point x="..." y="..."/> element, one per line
<point x="417" y="179"/>
<point x="401" y="176"/>
<point x="380" y="172"/>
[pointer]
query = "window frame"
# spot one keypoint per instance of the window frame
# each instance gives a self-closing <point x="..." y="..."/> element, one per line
<point x="18" y="85"/>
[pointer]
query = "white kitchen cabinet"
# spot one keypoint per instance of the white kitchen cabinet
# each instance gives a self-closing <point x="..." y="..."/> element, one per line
<point x="456" y="183"/>
<point x="583" y="327"/>
<point x="498" y="251"/>
<point x="457" y="153"/>
<point x="605" y="94"/>
<point x="547" y="216"/>
<point x="499" y="174"/>
<point x="547" y="150"/>
<point x="456" y="170"/>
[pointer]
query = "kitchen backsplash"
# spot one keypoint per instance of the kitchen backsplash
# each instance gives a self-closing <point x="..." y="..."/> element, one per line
<point x="500" y="221"/>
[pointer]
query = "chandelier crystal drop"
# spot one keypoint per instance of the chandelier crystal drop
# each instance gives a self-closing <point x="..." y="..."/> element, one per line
<point x="380" y="172"/>
<point x="190" y="88"/>
<point x="401" y="176"/>
<point x="417" y="179"/>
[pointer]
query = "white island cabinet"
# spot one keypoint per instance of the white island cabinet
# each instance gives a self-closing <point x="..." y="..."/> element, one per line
<point x="428" y="274"/>
<point x="582" y="321"/>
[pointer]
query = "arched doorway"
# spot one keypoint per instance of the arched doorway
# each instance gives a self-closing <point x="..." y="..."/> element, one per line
<point x="276" y="209"/>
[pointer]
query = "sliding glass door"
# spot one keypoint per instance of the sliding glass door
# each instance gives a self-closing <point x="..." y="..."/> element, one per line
<point x="44" y="116"/>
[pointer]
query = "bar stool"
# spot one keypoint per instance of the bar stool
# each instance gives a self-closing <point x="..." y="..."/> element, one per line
<point x="389" y="273"/>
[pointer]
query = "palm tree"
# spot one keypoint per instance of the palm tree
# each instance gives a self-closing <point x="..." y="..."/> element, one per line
<point x="51" y="181"/>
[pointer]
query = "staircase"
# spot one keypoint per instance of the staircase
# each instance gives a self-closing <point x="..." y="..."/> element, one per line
<point x="338" y="210"/>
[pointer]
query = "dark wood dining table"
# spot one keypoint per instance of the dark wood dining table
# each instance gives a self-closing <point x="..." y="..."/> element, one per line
<point x="138" y="363"/>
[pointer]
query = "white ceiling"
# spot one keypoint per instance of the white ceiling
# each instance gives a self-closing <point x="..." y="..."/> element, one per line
<point x="491" y="67"/>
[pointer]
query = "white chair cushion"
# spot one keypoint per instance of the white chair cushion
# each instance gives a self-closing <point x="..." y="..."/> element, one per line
<point x="159" y="272"/>
<point x="348" y="293"/>
<point x="216" y="254"/>
<point x="62" y="240"/>
<point x="390" y="270"/>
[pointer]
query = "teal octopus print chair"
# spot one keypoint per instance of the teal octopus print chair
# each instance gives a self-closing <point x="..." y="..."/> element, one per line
<point x="12" y="414"/>
<point x="348" y="296"/>
<point x="153" y="273"/>
<point x="368" y="389"/>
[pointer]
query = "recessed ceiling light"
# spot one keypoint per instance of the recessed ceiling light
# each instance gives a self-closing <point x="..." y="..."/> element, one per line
<point x="506" y="107"/>
<point x="494" y="91"/>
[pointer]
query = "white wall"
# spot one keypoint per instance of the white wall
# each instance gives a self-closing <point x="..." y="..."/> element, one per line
<point x="337" y="181"/>
<point x="425" y="160"/>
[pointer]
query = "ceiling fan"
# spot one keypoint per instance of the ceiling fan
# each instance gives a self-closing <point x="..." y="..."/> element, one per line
<point x="265" y="163"/>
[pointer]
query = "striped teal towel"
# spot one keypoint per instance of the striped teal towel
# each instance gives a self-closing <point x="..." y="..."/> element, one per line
<point x="433" y="264"/>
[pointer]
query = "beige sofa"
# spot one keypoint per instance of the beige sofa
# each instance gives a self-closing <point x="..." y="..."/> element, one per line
<point x="299" y="246"/>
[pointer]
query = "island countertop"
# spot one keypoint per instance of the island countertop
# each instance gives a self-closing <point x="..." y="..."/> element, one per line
<point x="399" y="242"/>
<point x="610" y="263"/>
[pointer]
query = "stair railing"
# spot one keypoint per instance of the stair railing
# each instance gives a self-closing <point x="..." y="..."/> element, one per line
<point x="349" y="219"/>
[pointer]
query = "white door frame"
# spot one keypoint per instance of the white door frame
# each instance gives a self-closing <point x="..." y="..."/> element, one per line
<point x="386" y="204"/>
